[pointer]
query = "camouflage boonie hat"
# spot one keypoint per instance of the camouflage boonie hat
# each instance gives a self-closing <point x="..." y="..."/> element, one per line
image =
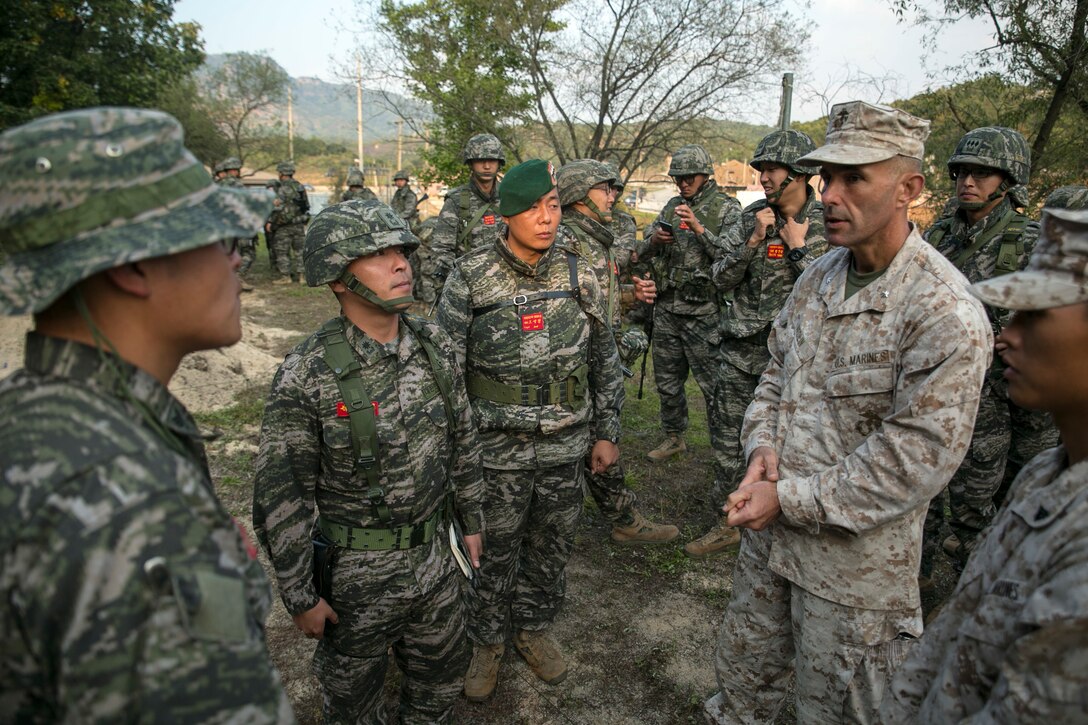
<point x="784" y="148"/>
<point x="575" y="178"/>
<point x="231" y="163"/>
<point x="1068" y="197"/>
<point x="483" y="146"/>
<point x="1057" y="273"/>
<point x="691" y="159"/>
<point x="343" y="232"/>
<point x="85" y="191"/>
<point x="355" y="177"/>
<point x="402" y="174"/>
<point x="632" y="343"/>
<point x="994" y="147"/>
<point x="285" y="167"/>
<point x="860" y="133"/>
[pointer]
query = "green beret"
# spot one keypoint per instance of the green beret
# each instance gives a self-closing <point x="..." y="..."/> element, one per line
<point x="524" y="184"/>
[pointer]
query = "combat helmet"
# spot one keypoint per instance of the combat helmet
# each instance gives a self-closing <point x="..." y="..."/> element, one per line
<point x="401" y="174"/>
<point x="994" y="147"/>
<point x="617" y="180"/>
<point x="286" y="167"/>
<point x="342" y="233"/>
<point x="784" y="148"/>
<point x="89" y="190"/>
<point x="691" y="159"/>
<point x="483" y="146"/>
<point x="574" y="180"/>
<point x="355" y="177"/>
<point x="231" y="163"/>
<point x="1068" y="197"/>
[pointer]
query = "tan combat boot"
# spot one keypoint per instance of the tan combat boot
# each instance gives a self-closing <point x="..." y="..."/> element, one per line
<point x="644" y="531"/>
<point x="672" y="445"/>
<point x="715" y="541"/>
<point x="483" y="672"/>
<point x="542" y="655"/>
<point x="951" y="545"/>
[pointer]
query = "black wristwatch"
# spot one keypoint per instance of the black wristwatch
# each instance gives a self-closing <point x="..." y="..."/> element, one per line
<point x="796" y="255"/>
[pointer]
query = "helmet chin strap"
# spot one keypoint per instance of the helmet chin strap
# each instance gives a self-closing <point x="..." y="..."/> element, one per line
<point x="397" y="304"/>
<point x="604" y="216"/>
<point x="997" y="194"/>
<point x="775" y="195"/>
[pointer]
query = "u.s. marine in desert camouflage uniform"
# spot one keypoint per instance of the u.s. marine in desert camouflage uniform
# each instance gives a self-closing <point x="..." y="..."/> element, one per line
<point x="862" y="415"/>
<point x="381" y="501"/>
<point x="1011" y="644"/>
<point x="126" y="590"/>
<point x="544" y="379"/>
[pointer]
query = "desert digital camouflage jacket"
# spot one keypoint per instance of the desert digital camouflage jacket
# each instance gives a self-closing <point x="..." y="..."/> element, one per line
<point x="541" y="342"/>
<point x="463" y="205"/>
<point x="126" y="590"/>
<point x="1011" y="644"/>
<point x="869" y="403"/>
<point x="305" y="464"/>
<point x="761" y="278"/>
<point x="686" y="287"/>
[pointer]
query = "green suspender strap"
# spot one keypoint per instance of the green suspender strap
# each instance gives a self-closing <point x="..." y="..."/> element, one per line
<point x="445" y="384"/>
<point x="1009" y="228"/>
<point x="361" y="418"/>
<point x="463" y="236"/>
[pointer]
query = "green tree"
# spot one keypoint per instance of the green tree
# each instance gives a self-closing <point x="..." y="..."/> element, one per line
<point x="242" y="94"/>
<point x="67" y="54"/>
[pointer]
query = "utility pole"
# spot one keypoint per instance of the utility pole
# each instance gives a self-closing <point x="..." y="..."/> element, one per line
<point x="290" y="126"/>
<point x="786" y="107"/>
<point x="400" y="146"/>
<point x="359" y="108"/>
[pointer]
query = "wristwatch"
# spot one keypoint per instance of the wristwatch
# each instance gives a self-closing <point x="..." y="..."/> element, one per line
<point x="796" y="255"/>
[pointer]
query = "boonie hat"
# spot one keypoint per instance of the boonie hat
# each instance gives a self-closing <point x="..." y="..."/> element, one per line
<point x="863" y="133"/>
<point x="89" y="190"/>
<point x="1057" y="273"/>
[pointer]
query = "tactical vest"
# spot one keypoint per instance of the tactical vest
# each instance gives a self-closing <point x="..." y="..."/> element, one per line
<point x="1010" y="227"/>
<point x="692" y="283"/>
<point x="612" y="284"/>
<point x="341" y="360"/>
<point x="465" y="234"/>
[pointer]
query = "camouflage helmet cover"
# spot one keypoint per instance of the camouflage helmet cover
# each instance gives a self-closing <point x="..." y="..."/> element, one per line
<point x="1068" y="197"/>
<point x="88" y="190"/>
<point x="285" y="167"/>
<point x="691" y="159"/>
<point x="617" y="181"/>
<point x="343" y="232"/>
<point x="784" y="148"/>
<point x="401" y="174"/>
<point x="994" y="147"/>
<point x="355" y="177"/>
<point x="575" y="178"/>
<point x="483" y="146"/>
<point x="231" y="163"/>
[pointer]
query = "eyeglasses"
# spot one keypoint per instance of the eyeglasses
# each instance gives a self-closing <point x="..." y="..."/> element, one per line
<point x="978" y="173"/>
<point x="686" y="179"/>
<point x="603" y="186"/>
<point x="229" y="246"/>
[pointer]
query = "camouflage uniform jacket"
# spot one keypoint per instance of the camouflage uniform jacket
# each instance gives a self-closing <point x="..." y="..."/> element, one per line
<point x="957" y="234"/>
<point x="686" y="288"/>
<point x="869" y="403"/>
<point x="543" y="341"/>
<point x="625" y="232"/>
<point x="761" y="278"/>
<point x="462" y="205"/>
<point x="127" y="591"/>
<point x="306" y="459"/>
<point x="404" y="204"/>
<point x="364" y="193"/>
<point x="594" y="243"/>
<point x="292" y="206"/>
<point x="1009" y="645"/>
<point x="232" y="182"/>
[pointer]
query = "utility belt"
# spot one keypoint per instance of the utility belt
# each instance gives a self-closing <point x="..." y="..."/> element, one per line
<point x="691" y="285"/>
<point x="570" y="391"/>
<point x="380" y="539"/>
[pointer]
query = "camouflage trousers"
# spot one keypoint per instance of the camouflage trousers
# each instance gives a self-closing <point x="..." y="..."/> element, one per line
<point x="843" y="657"/>
<point x="610" y="492"/>
<point x="247" y="248"/>
<point x="410" y="601"/>
<point x="289" y="241"/>
<point x="736" y="385"/>
<point x="683" y="344"/>
<point x="532" y="517"/>
<point x="1003" y="431"/>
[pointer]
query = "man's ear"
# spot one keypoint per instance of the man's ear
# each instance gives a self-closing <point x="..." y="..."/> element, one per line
<point x="131" y="278"/>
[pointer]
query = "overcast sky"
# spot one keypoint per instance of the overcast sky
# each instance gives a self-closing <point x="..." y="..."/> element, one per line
<point x="848" y="36"/>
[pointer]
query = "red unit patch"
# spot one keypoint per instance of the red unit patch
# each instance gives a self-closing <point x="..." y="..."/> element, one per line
<point x="684" y="224"/>
<point x="532" y="322"/>
<point x="341" y="410"/>
<point x="375" y="404"/>
<point x="489" y="220"/>
<point x="776" y="251"/>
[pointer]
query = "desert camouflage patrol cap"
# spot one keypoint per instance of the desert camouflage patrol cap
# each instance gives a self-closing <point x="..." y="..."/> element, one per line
<point x="343" y="232"/>
<point x="1057" y="273"/>
<point x="89" y="190"/>
<point x="862" y="133"/>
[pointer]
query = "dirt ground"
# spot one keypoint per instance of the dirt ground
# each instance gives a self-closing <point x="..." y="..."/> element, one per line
<point x="639" y="624"/>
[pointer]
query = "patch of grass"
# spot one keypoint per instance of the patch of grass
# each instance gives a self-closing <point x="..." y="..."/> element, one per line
<point x="247" y="409"/>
